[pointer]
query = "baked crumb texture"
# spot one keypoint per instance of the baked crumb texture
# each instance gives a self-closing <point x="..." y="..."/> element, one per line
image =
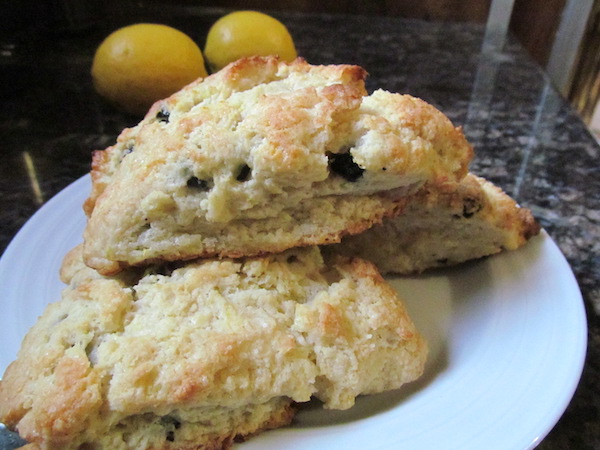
<point x="198" y="355"/>
<point x="438" y="229"/>
<point x="261" y="157"/>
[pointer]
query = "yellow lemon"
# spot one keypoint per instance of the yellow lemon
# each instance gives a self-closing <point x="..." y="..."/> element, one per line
<point x="139" y="64"/>
<point x="247" y="33"/>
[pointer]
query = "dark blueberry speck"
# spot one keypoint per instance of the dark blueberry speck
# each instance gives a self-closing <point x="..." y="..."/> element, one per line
<point x="244" y="173"/>
<point x="126" y="152"/>
<point x="470" y="207"/>
<point x="171" y="424"/>
<point x="197" y="183"/>
<point x="344" y="165"/>
<point x="163" y="115"/>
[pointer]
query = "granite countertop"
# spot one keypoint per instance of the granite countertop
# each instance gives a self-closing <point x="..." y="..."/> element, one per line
<point x="527" y="139"/>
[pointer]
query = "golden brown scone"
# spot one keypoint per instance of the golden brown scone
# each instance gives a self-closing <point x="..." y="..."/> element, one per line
<point x="260" y="157"/>
<point x="442" y="229"/>
<point x="195" y="355"/>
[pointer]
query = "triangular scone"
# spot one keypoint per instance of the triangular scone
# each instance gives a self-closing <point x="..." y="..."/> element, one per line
<point x="260" y="157"/>
<point x="442" y="229"/>
<point x="195" y="355"/>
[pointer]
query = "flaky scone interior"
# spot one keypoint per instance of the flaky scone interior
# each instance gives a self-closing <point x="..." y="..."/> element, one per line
<point x="439" y="229"/>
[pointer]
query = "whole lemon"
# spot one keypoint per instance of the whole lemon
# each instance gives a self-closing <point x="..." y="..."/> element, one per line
<point x="139" y="64"/>
<point x="247" y="33"/>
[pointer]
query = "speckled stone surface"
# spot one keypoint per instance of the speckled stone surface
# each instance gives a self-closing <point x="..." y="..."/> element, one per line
<point x="527" y="139"/>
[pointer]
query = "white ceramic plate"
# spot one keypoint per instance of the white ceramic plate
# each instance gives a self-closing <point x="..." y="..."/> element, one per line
<point x="507" y="336"/>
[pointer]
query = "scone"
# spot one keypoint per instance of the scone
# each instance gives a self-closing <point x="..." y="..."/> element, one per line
<point x="186" y="356"/>
<point x="438" y="229"/>
<point x="261" y="157"/>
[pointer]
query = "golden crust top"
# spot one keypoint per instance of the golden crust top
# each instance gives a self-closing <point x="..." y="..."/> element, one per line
<point x="263" y="140"/>
<point x="200" y="341"/>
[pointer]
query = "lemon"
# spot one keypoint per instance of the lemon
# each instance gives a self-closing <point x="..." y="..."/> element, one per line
<point x="247" y="33"/>
<point x="139" y="64"/>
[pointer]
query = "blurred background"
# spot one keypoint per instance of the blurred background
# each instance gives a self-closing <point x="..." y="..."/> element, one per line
<point x="562" y="36"/>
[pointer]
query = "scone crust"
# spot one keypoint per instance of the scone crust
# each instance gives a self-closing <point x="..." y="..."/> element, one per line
<point x="148" y="358"/>
<point x="260" y="157"/>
